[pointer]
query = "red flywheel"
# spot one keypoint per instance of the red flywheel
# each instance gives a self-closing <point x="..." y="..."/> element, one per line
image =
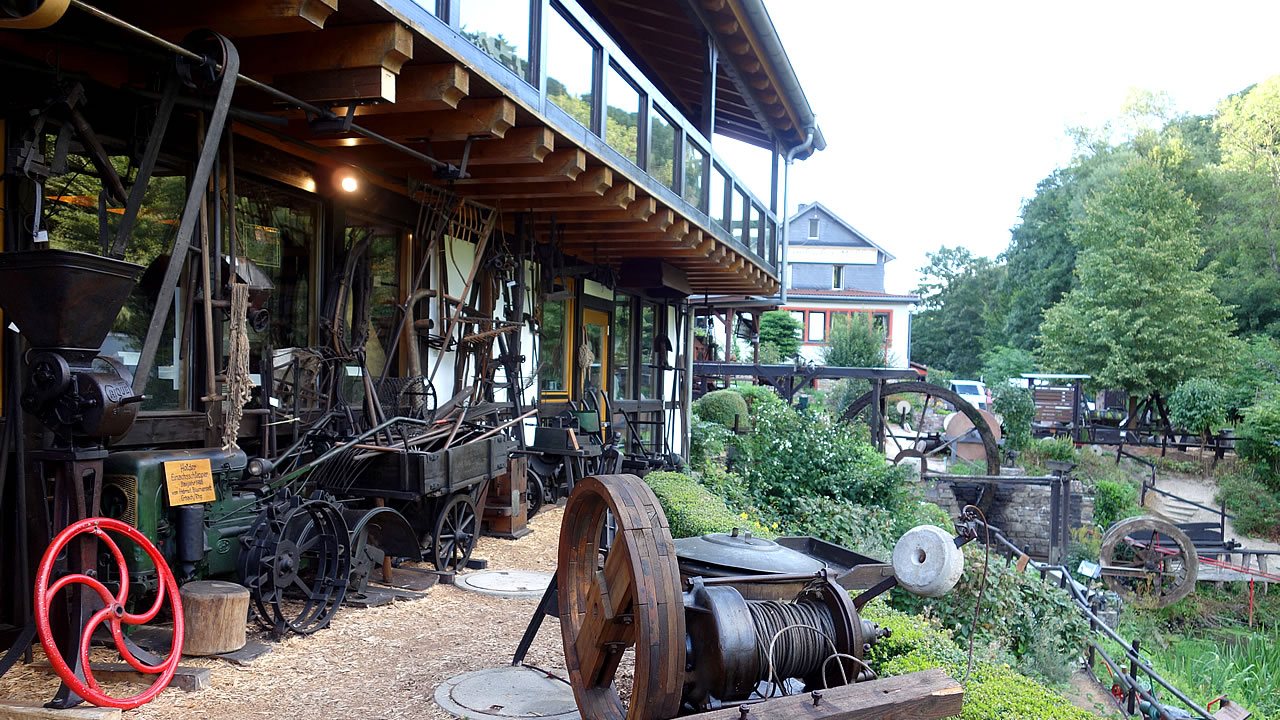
<point x="114" y="614"/>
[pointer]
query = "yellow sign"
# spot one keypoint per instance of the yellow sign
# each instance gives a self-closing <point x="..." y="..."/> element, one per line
<point x="189" y="481"/>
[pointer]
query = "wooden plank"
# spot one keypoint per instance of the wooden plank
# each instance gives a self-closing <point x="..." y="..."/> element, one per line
<point x="349" y="84"/>
<point x="474" y="117"/>
<point x="640" y="210"/>
<point x="11" y="709"/>
<point x="387" y="45"/>
<point x="595" y="182"/>
<point x="424" y="88"/>
<point x="235" y="18"/>
<point x="617" y="197"/>
<point x="559" y="166"/>
<point x="185" y="678"/>
<point x="924" y="695"/>
<point x="518" y="145"/>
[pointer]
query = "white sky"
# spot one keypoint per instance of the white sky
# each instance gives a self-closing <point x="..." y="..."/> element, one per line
<point x="941" y="117"/>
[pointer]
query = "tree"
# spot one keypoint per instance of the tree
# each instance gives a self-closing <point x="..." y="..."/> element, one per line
<point x="1141" y="317"/>
<point x="1003" y="362"/>
<point x="854" y="343"/>
<point x="960" y="308"/>
<point x="782" y="331"/>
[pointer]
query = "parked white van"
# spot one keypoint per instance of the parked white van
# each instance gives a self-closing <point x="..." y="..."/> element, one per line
<point x="974" y="392"/>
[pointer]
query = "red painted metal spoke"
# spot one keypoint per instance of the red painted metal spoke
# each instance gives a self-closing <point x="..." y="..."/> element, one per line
<point x="114" y="613"/>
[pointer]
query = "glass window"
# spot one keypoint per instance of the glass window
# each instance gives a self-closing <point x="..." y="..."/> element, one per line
<point x="621" y="368"/>
<point x="756" y="239"/>
<point x="380" y="312"/>
<point x="662" y="148"/>
<point x="70" y="210"/>
<point x="570" y="62"/>
<point x="798" y="315"/>
<point x="771" y="244"/>
<point x="695" y="160"/>
<point x="500" y="28"/>
<point x="837" y="277"/>
<point x="276" y="230"/>
<point x="739" y="207"/>
<point x="813" y="228"/>
<point x="555" y="337"/>
<point x="648" y="322"/>
<point x="817" y="327"/>
<point x="880" y="321"/>
<point x="719" y="182"/>
<point x="622" y="115"/>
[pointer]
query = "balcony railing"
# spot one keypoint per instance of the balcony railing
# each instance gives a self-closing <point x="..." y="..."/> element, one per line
<point x="552" y="56"/>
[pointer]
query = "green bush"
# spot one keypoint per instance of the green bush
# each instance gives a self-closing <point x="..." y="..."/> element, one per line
<point x="692" y="510"/>
<point x="940" y="377"/>
<point x="854" y="343"/>
<point x="1003" y="362"/>
<point x="707" y="442"/>
<point x="994" y="691"/>
<point x="1255" y="506"/>
<point x="1114" y="501"/>
<point x="1256" y="439"/>
<point x="1017" y="408"/>
<point x="779" y="329"/>
<point x="1058" y="448"/>
<point x="722" y="407"/>
<point x="758" y="396"/>
<point x="1197" y="405"/>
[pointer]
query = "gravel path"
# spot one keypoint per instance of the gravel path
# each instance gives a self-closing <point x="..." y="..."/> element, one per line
<point x="376" y="663"/>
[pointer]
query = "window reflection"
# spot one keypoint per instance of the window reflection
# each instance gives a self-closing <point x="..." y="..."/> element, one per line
<point x="555" y="338"/>
<point x="570" y="59"/>
<point x="719" y="181"/>
<point x="500" y="28"/>
<point x="662" y="148"/>
<point x="739" y="206"/>
<point x="622" y="370"/>
<point x="622" y="115"/>
<point x="379" y="313"/>
<point x="756" y="219"/>
<point x="648" y="318"/>
<point x="695" y="161"/>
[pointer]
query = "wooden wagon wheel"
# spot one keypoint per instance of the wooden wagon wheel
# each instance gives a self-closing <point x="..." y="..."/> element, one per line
<point x="929" y="390"/>
<point x="457" y="530"/>
<point x="1149" y="560"/>
<point x="634" y="600"/>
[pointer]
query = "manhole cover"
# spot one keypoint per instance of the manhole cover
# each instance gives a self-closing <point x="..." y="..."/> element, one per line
<point x="505" y="583"/>
<point x="505" y="693"/>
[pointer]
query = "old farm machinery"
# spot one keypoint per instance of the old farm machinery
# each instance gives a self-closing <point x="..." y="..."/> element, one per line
<point x="647" y="638"/>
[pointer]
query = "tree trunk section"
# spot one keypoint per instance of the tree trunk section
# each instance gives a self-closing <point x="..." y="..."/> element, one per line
<point x="215" y="613"/>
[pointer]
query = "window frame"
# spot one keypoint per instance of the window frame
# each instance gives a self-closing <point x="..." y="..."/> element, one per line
<point x="815" y="228"/>
<point x="837" y="277"/>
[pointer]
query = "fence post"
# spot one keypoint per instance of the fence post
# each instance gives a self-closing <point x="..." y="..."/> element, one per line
<point x="1222" y="520"/>
<point x="1093" y="627"/>
<point x="1133" y="673"/>
<point x="1055" y="500"/>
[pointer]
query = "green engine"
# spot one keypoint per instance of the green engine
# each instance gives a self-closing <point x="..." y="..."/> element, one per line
<point x="198" y="540"/>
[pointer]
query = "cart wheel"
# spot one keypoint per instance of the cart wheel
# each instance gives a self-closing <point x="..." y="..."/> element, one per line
<point x="456" y="534"/>
<point x="536" y="497"/>
<point x="1149" y="560"/>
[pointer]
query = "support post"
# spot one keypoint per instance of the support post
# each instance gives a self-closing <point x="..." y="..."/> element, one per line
<point x="1132" y="694"/>
<point x="877" y="423"/>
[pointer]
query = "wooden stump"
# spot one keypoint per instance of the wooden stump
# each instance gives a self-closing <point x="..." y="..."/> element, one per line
<point x="215" y="613"/>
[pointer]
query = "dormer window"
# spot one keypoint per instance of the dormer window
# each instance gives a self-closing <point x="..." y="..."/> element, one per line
<point x="837" y="277"/>
<point x="813" y="228"/>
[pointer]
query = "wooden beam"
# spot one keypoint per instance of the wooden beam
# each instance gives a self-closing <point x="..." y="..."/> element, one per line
<point x="387" y="45"/>
<point x="924" y="695"/>
<point x="475" y="117"/>
<point x="424" y="88"/>
<point x="638" y="211"/>
<point x="595" y="182"/>
<point x="618" y="197"/>
<point x="235" y="18"/>
<point x="351" y="84"/>
<point x="657" y="223"/>
<point x="559" y="166"/>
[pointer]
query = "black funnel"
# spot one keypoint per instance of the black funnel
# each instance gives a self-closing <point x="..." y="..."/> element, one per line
<point x="62" y="299"/>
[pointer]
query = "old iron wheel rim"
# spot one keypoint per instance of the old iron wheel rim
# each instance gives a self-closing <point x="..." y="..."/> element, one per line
<point x="536" y="497"/>
<point x="644" y="554"/>
<point x="456" y="535"/>
<point x="929" y="391"/>
<point x="1169" y="573"/>
<point x="297" y="565"/>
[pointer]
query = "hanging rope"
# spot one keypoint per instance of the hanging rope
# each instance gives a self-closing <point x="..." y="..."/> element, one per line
<point x="239" y="385"/>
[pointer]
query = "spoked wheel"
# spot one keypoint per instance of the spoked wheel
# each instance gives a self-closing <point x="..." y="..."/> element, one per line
<point x="297" y="565"/>
<point x="631" y="605"/>
<point x="1149" y="560"/>
<point x="916" y="438"/>
<point x="113" y="612"/>
<point x="457" y="530"/>
<point x="536" y="496"/>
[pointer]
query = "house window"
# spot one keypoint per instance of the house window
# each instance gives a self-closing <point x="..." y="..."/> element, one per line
<point x="813" y="228"/>
<point x="570" y="61"/>
<point x="837" y="277"/>
<point x="556" y="338"/>
<point x="880" y="321"/>
<point x="817" y="327"/>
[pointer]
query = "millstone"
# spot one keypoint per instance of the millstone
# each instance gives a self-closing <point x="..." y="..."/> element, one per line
<point x="505" y="583"/>
<point x="507" y="693"/>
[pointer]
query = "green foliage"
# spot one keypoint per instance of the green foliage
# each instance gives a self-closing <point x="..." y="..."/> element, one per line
<point x="1058" y="447"/>
<point x="1256" y="506"/>
<point x="779" y="329"/>
<point x="1198" y="405"/>
<point x="1138" y="239"/>
<point x="691" y="510"/>
<point x="994" y="691"/>
<point x="1032" y="621"/>
<point x="1017" y="408"/>
<point x="1003" y="362"/>
<point x="723" y="407"/>
<point x="1257" y="437"/>
<point x="941" y="378"/>
<point x="793" y="454"/>
<point x="707" y="442"/>
<point x="844" y="393"/>
<point x="1252" y="374"/>
<point x="1113" y="501"/>
<point x="960" y="298"/>
<point x="758" y="396"/>
<point x="854" y="343"/>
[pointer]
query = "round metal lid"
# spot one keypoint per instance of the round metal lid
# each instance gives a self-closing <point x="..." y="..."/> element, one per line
<point x="743" y="552"/>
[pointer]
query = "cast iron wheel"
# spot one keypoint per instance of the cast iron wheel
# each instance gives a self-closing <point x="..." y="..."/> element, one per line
<point x="296" y="564"/>
<point x="929" y="391"/>
<point x="536" y="497"/>
<point x="456" y="534"/>
<point x="647" y="611"/>
<point x="1149" y="560"/>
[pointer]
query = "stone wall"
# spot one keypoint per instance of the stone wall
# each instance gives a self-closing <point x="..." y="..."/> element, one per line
<point x="1021" y="511"/>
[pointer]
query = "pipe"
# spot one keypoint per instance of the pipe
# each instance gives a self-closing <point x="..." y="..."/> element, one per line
<point x="786" y="212"/>
<point x="278" y="94"/>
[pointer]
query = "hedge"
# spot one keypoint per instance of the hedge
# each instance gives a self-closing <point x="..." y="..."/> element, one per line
<point x="692" y="510"/>
<point x="721" y="407"/>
